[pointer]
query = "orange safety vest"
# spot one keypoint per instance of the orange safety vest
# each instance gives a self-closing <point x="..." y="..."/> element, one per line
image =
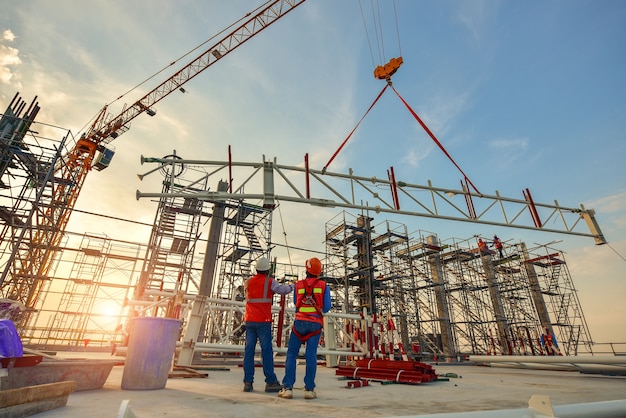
<point x="259" y="298"/>
<point x="310" y="300"/>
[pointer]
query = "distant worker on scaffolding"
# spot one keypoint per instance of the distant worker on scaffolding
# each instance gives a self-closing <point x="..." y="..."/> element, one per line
<point x="482" y="246"/>
<point x="498" y="244"/>
<point x="549" y="343"/>
<point x="259" y="290"/>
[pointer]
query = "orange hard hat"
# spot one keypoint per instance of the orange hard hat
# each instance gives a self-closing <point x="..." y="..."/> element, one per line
<point x="313" y="266"/>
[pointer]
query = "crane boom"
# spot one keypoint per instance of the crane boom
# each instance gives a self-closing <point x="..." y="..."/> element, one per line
<point x="28" y="271"/>
<point x="105" y="129"/>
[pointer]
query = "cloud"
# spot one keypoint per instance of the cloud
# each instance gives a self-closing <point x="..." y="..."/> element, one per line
<point x="508" y="150"/>
<point x="415" y="155"/>
<point x="510" y="144"/>
<point x="611" y="204"/>
<point x="7" y="35"/>
<point x="9" y="57"/>
<point x="475" y="15"/>
<point x="445" y="108"/>
<point x="615" y="205"/>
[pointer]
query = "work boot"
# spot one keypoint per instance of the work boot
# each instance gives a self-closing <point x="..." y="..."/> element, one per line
<point x="285" y="393"/>
<point x="273" y="387"/>
<point x="309" y="394"/>
<point x="247" y="386"/>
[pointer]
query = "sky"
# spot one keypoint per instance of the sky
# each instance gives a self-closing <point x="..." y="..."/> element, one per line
<point x="521" y="94"/>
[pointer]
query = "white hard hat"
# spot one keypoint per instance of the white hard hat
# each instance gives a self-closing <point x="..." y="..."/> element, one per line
<point x="263" y="264"/>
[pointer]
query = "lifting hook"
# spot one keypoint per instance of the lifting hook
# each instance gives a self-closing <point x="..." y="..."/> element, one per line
<point x="384" y="72"/>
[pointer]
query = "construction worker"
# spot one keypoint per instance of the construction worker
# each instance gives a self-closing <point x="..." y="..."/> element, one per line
<point x="312" y="298"/>
<point x="498" y="244"/>
<point x="259" y="291"/>
<point x="482" y="246"/>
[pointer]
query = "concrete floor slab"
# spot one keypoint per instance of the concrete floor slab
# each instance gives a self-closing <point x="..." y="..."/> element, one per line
<point x="220" y="394"/>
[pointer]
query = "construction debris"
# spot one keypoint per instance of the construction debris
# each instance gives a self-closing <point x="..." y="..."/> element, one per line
<point x="357" y="384"/>
<point x="186" y="372"/>
<point x="383" y="370"/>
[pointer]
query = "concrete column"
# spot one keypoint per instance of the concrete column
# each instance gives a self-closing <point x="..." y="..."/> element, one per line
<point x="213" y="244"/>
<point x="197" y="318"/>
<point x="535" y="291"/>
<point x="441" y="298"/>
<point x="496" y="301"/>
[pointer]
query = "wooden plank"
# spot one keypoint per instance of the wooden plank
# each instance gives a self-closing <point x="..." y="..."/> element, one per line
<point x="186" y="372"/>
<point x="32" y="408"/>
<point x="28" y="394"/>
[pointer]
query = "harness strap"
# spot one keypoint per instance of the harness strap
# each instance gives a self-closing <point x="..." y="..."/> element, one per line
<point x="311" y="305"/>
<point x="306" y="336"/>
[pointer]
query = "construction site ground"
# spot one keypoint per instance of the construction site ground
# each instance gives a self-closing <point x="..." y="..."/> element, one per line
<point x="220" y="394"/>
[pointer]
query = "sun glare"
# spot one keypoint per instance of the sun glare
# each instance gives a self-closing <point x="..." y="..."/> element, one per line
<point x="109" y="309"/>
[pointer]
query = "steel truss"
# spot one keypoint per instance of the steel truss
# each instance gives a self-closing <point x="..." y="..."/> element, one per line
<point x="277" y="183"/>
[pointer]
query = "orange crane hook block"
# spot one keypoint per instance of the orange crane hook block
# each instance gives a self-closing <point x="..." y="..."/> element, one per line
<point x="384" y="72"/>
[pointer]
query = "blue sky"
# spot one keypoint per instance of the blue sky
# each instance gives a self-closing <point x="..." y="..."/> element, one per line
<point x="522" y="94"/>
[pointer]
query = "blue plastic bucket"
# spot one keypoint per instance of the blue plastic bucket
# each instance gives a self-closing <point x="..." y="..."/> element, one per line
<point x="151" y="346"/>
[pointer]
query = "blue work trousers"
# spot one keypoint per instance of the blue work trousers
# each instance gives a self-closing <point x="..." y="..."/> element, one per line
<point x="261" y="331"/>
<point x="310" y="354"/>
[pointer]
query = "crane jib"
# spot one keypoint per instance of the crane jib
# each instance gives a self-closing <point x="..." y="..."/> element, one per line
<point x="106" y="128"/>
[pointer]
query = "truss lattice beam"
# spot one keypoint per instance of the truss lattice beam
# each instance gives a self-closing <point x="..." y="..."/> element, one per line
<point x="350" y="191"/>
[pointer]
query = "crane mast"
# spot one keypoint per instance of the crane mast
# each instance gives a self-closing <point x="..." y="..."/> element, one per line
<point x="27" y="272"/>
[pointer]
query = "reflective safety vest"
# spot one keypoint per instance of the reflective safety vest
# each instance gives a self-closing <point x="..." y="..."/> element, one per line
<point x="259" y="296"/>
<point x="310" y="300"/>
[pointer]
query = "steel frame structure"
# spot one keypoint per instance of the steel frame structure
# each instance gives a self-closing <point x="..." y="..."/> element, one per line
<point x="66" y="174"/>
<point x="347" y="191"/>
<point x="457" y="300"/>
<point x="34" y="198"/>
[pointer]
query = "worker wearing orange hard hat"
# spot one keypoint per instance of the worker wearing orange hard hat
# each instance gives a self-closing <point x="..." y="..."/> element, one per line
<point x="312" y="297"/>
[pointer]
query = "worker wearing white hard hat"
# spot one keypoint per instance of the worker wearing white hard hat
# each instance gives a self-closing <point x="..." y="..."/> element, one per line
<point x="259" y="291"/>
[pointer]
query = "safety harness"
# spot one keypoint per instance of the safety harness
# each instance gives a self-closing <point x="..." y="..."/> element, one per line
<point x="308" y="305"/>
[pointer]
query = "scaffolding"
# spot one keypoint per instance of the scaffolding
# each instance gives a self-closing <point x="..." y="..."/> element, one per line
<point x="350" y="257"/>
<point x="30" y="159"/>
<point x="168" y="267"/>
<point x="450" y="299"/>
<point x="549" y="276"/>
<point x="246" y="237"/>
<point x="89" y="306"/>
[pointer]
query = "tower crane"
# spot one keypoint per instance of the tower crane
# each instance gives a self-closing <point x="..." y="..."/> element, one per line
<point x="23" y="278"/>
